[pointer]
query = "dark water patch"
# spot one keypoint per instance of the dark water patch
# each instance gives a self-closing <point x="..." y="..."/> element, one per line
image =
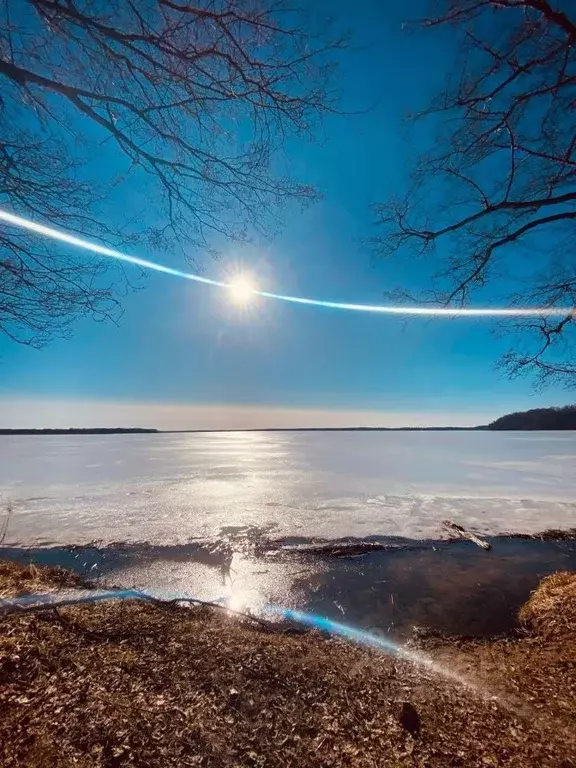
<point x="104" y="561"/>
<point x="388" y="584"/>
<point x="448" y="587"/>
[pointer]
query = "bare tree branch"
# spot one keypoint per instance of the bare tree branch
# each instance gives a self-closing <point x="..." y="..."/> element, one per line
<point x="189" y="102"/>
<point x="493" y="201"/>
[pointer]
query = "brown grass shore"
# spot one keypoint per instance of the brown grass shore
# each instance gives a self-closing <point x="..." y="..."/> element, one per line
<point x="139" y="684"/>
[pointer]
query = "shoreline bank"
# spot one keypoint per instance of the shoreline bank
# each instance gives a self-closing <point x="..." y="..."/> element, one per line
<point x="127" y="683"/>
<point x="449" y="586"/>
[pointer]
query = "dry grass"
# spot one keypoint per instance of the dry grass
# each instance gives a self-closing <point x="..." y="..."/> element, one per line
<point x="16" y="580"/>
<point x="134" y="684"/>
<point x="551" y="609"/>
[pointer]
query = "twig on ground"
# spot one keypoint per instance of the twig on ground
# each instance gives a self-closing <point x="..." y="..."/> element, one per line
<point x="10" y="607"/>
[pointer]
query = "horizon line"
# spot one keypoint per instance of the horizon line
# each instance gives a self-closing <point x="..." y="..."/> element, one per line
<point x="155" y="430"/>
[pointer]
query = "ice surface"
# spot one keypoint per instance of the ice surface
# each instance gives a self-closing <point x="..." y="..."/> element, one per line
<point x="169" y="488"/>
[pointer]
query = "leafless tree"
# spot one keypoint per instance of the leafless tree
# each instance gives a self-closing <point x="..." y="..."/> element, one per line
<point x="493" y="202"/>
<point x="180" y="107"/>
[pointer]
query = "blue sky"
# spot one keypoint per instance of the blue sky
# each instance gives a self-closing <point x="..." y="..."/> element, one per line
<point x="184" y="356"/>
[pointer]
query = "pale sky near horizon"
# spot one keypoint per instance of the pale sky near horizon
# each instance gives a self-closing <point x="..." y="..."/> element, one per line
<point x="54" y="413"/>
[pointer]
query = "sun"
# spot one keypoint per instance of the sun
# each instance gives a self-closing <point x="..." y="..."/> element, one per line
<point x="242" y="290"/>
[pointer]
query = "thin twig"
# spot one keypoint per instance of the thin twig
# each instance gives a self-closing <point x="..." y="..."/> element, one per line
<point x="10" y="608"/>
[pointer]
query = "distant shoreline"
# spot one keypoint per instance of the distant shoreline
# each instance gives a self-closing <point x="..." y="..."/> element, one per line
<point x="145" y="431"/>
<point x="536" y="420"/>
<point x="82" y="431"/>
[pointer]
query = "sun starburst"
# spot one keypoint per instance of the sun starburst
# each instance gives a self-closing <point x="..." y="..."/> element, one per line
<point x="242" y="290"/>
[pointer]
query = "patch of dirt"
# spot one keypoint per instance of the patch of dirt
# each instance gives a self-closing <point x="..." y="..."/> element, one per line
<point x="146" y="685"/>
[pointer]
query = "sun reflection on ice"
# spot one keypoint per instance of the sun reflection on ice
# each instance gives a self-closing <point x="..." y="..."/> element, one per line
<point x="241" y="593"/>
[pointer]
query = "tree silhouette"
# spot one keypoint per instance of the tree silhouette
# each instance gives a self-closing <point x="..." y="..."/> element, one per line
<point x="193" y="100"/>
<point x="494" y="201"/>
<point x="538" y="418"/>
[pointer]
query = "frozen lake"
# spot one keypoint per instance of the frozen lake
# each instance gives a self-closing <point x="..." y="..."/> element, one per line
<point x="171" y="488"/>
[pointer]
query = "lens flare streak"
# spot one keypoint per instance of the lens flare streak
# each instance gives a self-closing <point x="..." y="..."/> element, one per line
<point x="370" y="640"/>
<point x="79" y="242"/>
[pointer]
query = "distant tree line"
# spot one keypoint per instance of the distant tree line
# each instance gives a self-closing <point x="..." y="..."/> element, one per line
<point x="538" y="418"/>
<point x="78" y="431"/>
